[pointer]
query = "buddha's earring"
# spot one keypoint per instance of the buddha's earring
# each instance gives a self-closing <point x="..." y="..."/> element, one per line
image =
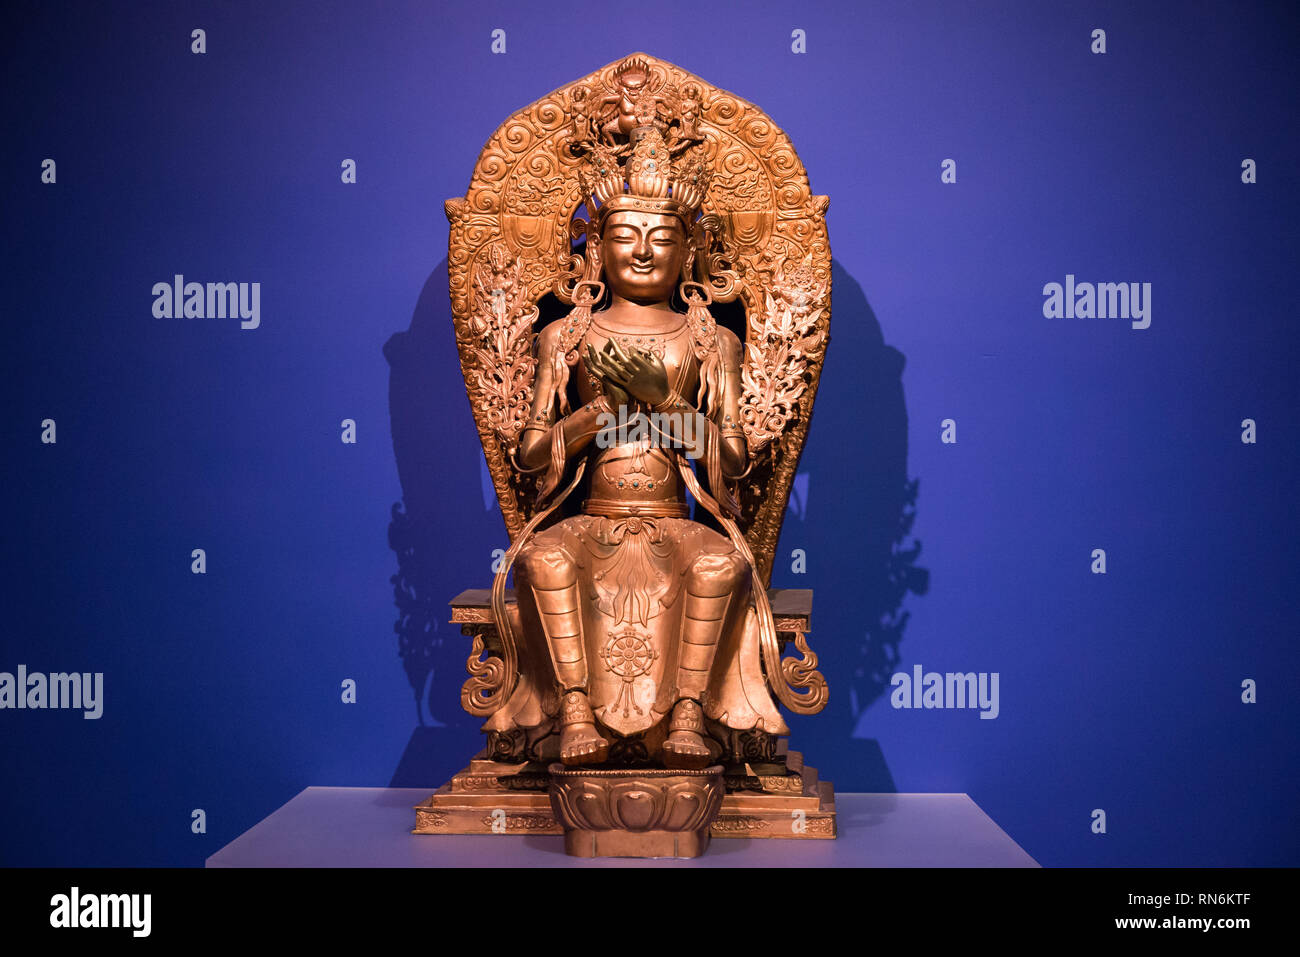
<point x="697" y="297"/>
<point x="585" y="295"/>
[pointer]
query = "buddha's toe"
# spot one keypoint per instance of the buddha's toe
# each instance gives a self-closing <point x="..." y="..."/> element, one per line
<point x="685" y="749"/>
<point x="582" y="745"/>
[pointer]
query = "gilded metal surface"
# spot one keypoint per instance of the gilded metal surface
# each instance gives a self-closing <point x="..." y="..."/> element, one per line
<point x="509" y="245"/>
<point x="640" y="639"/>
<point x="779" y="812"/>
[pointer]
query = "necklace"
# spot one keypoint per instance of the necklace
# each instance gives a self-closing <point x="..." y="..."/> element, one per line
<point x="653" y="344"/>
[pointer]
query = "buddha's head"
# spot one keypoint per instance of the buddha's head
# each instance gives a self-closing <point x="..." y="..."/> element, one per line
<point x="647" y="197"/>
<point x="643" y="254"/>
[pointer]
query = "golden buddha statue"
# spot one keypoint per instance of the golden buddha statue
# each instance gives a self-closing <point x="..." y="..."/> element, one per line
<point x="639" y="637"/>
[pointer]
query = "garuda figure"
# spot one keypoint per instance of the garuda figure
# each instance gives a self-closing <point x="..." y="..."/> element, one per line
<point x="611" y="395"/>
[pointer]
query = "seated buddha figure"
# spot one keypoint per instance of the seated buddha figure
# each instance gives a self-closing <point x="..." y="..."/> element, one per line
<point x="647" y="616"/>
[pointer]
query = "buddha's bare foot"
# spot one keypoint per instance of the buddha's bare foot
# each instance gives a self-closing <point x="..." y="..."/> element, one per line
<point x="685" y="747"/>
<point x="580" y="741"/>
<point x="685" y="750"/>
<point x="582" y="744"/>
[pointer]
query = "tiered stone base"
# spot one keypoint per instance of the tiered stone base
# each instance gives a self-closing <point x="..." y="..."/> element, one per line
<point x="781" y="799"/>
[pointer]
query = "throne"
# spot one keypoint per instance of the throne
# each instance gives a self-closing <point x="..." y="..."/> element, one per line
<point x="760" y="256"/>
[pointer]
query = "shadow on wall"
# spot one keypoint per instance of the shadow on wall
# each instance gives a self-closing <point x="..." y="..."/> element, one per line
<point x="852" y="511"/>
<point x="441" y="532"/>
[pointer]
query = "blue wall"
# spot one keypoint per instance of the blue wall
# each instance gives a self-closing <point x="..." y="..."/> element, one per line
<point x="1119" y="692"/>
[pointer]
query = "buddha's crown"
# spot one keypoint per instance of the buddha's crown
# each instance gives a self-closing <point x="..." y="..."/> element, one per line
<point x="650" y="180"/>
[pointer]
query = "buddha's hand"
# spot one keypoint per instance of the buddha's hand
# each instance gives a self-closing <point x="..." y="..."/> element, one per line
<point x="639" y="373"/>
<point x="616" y="395"/>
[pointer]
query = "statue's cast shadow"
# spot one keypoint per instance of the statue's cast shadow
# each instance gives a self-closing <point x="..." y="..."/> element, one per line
<point x="851" y="512"/>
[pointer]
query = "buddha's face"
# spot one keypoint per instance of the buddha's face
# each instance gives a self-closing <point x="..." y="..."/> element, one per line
<point x="643" y="255"/>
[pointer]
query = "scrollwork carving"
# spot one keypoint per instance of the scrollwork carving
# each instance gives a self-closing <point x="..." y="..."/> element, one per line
<point x="481" y="693"/>
<point x="791" y="339"/>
